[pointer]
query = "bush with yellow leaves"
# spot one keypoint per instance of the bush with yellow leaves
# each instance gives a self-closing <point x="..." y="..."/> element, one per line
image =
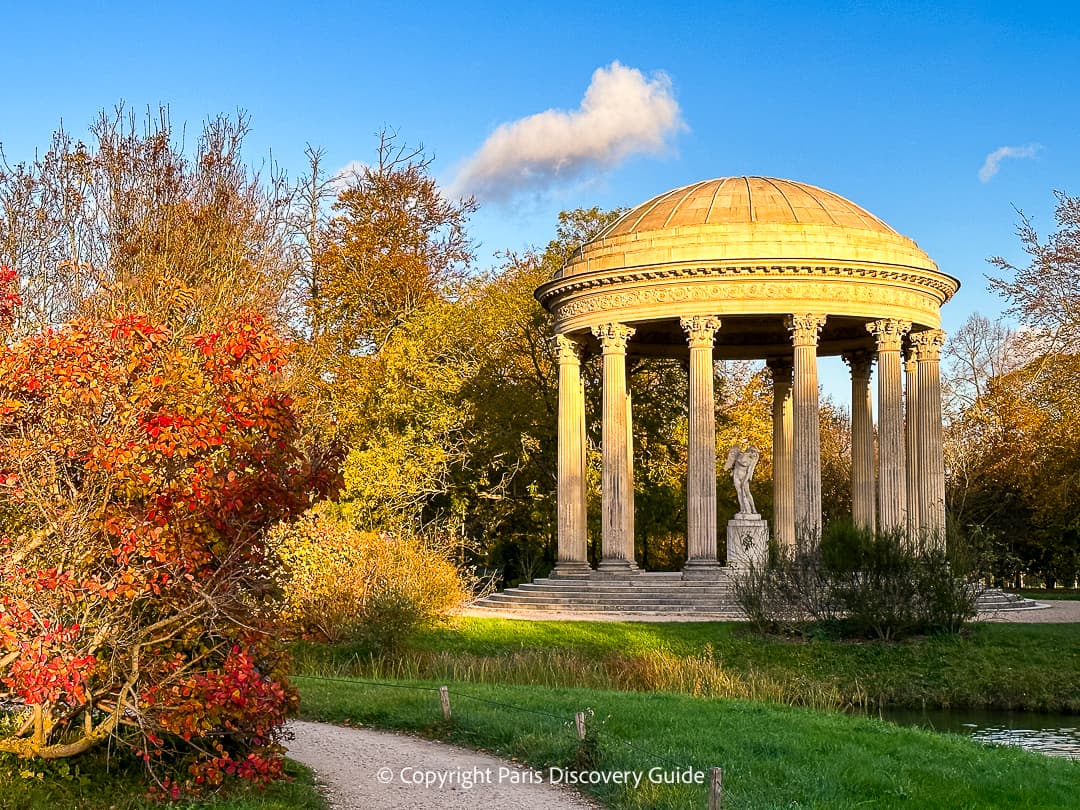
<point x="342" y="584"/>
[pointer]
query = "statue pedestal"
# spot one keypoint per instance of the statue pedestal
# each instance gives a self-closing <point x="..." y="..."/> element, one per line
<point x="747" y="540"/>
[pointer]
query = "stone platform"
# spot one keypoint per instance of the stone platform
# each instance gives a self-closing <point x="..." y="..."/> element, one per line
<point x="633" y="595"/>
<point x="640" y="595"/>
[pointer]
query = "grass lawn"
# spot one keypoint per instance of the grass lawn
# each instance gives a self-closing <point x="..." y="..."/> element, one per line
<point x="772" y="756"/>
<point x="88" y="785"/>
<point x="1008" y="666"/>
<point x="1043" y="595"/>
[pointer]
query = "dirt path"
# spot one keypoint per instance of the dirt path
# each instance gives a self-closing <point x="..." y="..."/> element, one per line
<point x="365" y="769"/>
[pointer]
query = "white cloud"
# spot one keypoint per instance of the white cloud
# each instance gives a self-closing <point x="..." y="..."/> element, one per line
<point x="345" y="176"/>
<point x="622" y="113"/>
<point x="993" y="160"/>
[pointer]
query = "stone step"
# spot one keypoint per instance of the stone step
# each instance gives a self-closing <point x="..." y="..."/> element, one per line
<point x="727" y="611"/>
<point x="676" y="585"/>
<point x="583" y="592"/>
<point x="501" y="599"/>
<point x="995" y="599"/>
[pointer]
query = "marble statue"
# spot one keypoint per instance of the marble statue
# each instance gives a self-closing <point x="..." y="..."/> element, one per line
<point x="741" y="462"/>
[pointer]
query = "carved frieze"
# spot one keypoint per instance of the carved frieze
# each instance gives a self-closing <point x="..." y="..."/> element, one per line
<point x="775" y="291"/>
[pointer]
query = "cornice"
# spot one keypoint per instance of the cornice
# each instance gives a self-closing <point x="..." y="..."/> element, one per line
<point x="941" y="283"/>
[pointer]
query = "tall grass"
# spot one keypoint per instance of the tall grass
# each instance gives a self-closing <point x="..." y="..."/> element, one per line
<point x="699" y="674"/>
<point x="1032" y="667"/>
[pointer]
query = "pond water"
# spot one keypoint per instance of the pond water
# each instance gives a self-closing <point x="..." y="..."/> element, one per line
<point x="1054" y="734"/>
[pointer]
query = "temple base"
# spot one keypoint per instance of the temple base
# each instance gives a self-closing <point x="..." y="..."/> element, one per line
<point x="571" y="569"/>
<point x="617" y="568"/>
<point x="702" y="568"/>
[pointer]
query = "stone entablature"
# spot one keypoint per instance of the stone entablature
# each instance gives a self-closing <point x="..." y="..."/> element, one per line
<point x="665" y="293"/>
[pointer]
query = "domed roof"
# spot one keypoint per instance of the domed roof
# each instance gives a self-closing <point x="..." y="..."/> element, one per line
<point x="747" y="221"/>
<point x="730" y="200"/>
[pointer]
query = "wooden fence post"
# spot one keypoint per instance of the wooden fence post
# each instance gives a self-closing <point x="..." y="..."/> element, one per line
<point x="716" y="788"/>
<point x="444" y="699"/>
<point x="579" y="721"/>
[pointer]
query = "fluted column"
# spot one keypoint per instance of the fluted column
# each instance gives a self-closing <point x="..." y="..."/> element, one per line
<point x="931" y="453"/>
<point x="892" y="481"/>
<point x="911" y="442"/>
<point x="783" y="474"/>
<point x="572" y="553"/>
<point x="629" y="469"/>
<point x="617" y="549"/>
<point x="701" y="544"/>
<point x="806" y="437"/>
<point x="862" y="440"/>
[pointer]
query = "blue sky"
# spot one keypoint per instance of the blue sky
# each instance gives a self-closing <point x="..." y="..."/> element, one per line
<point x="893" y="105"/>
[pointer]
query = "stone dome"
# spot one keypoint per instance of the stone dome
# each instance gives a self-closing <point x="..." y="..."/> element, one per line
<point x="747" y="219"/>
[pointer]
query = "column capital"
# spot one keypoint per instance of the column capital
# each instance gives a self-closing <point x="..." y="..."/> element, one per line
<point x="781" y="369"/>
<point x="568" y="349"/>
<point x="889" y="333"/>
<point x="911" y="359"/>
<point x="700" y="330"/>
<point x="859" y="361"/>
<point x="927" y="345"/>
<point x="613" y="337"/>
<point x="804" y="328"/>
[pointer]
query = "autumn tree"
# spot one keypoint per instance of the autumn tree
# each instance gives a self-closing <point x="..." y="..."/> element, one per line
<point x="395" y="243"/>
<point x="129" y="222"/>
<point x="139" y="471"/>
<point x="1011" y="432"/>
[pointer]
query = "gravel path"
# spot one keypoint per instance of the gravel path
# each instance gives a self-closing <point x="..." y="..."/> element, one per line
<point x="365" y="769"/>
<point x="1057" y="611"/>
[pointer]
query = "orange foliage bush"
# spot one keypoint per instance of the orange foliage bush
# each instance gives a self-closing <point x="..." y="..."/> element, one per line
<point x="344" y="584"/>
<point x="139" y="472"/>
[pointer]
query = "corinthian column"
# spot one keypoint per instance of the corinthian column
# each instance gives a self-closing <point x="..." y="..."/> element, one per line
<point x="806" y="439"/>
<point x="617" y="546"/>
<point x="701" y="462"/>
<point x="892" y="483"/>
<point x="862" y="440"/>
<point x="911" y="442"/>
<point x="783" y="474"/>
<point x="931" y="454"/>
<point x="629" y="512"/>
<point x="572" y="554"/>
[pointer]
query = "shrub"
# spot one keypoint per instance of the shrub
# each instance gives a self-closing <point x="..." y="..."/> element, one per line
<point x="859" y="583"/>
<point x="343" y="584"/>
<point x="139" y="472"/>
